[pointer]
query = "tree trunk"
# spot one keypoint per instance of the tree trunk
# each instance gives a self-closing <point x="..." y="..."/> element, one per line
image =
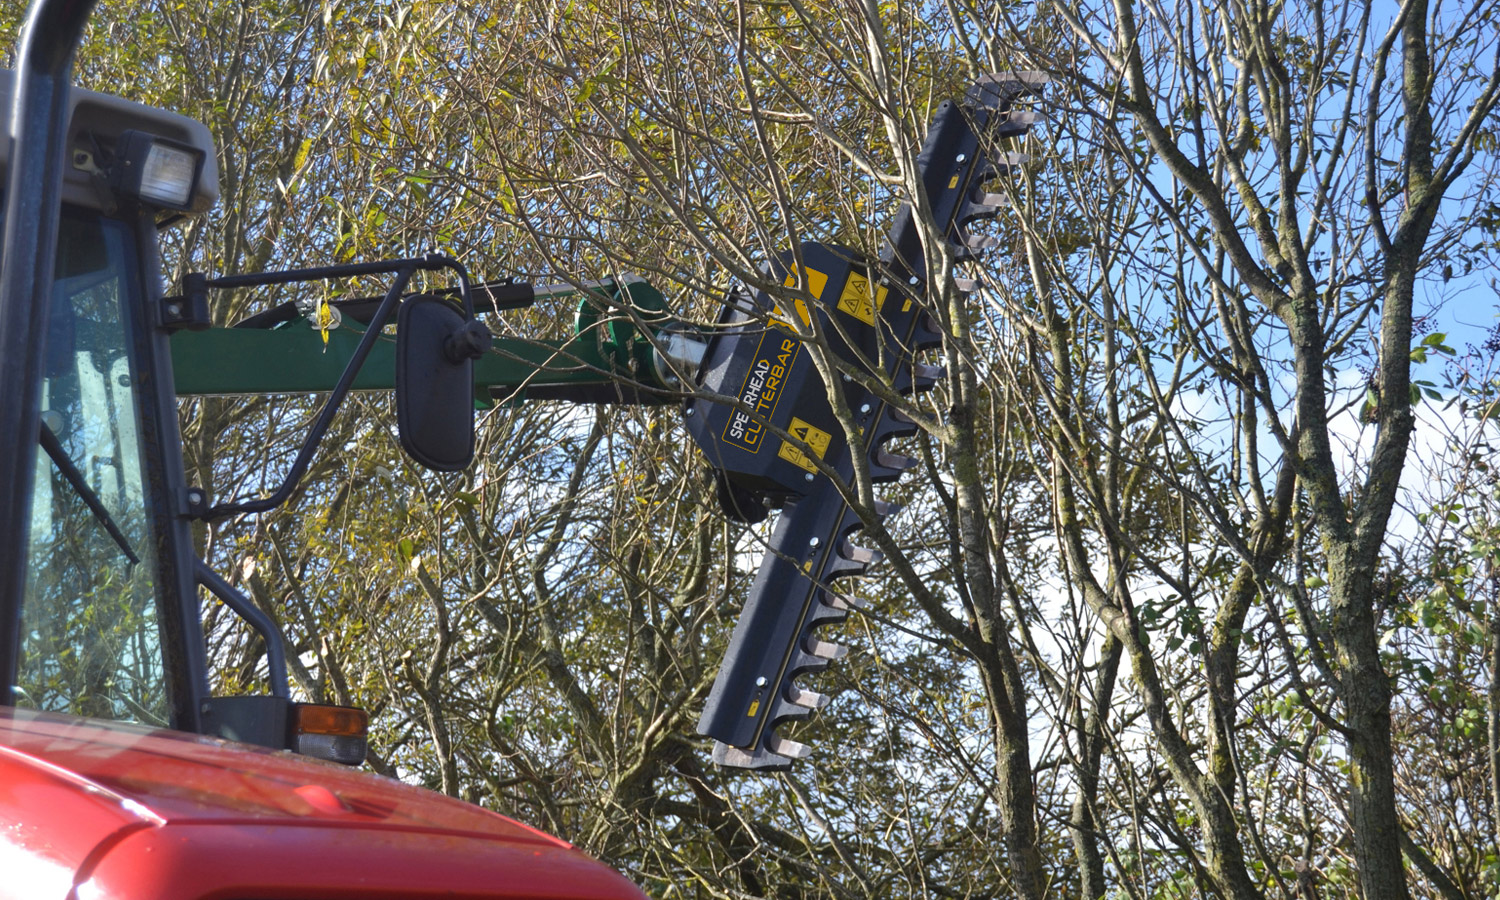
<point x="1366" y="694"/>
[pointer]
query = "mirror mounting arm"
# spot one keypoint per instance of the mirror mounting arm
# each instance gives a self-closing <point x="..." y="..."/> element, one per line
<point x="403" y="269"/>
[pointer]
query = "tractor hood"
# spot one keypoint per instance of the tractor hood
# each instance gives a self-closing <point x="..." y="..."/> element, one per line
<point x="133" y="811"/>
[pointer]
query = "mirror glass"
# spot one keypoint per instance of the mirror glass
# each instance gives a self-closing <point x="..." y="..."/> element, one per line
<point x="434" y="394"/>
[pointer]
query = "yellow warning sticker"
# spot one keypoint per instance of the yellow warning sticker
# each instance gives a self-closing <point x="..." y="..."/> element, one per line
<point x="754" y="705"/>
<point x="816" y="282"/>
<point x="953" y="182"/>
<point x="816" y="440"/>
<point x="857" y="301"/>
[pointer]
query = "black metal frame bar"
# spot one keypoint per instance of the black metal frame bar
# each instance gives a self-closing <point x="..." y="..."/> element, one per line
<point x="430" y="263"/>
<point x="257" y="618"/>
<point x="180" y="618"/>
<point x="39" y="122"/>
<point x="403" y="269"/>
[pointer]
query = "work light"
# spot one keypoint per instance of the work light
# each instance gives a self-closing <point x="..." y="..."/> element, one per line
<point x="155" y="170"/>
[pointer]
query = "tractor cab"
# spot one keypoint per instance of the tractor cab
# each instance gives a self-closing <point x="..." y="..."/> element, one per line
<point x="108" y="626"/>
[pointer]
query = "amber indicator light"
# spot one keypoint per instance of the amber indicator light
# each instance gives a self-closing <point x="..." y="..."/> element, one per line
<point x="343" y="721"/>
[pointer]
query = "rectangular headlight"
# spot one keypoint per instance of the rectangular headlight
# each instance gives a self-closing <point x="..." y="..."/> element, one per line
<point x="155" y="170"/>
<point x="168" y="176"/>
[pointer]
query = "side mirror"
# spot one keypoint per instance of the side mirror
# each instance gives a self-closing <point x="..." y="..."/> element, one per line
<point x="436" y="345"/>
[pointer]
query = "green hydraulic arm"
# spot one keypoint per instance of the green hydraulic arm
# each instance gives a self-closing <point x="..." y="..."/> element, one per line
<point x="610" y="357"/>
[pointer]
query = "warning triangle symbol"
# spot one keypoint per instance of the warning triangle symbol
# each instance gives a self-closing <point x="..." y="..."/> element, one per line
<point x="800" y="433"/>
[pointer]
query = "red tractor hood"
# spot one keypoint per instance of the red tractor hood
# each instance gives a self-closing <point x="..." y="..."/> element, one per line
<point x="120" y="811"/>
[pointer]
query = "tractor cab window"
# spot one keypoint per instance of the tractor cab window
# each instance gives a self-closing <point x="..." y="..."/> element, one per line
<point x="90" y="643"/>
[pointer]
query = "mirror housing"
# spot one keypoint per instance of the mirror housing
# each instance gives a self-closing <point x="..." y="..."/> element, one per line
<point x="436" y="345"/>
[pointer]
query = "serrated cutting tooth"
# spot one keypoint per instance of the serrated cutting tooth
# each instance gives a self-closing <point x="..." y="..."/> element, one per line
<point x="844" y="601"/>
<point x="889" y="466"/>
<point x="825" y="650"/>
<point x="925" y="334"/>
<point x="989" y="92"/>
<point x="978" y="243"/>
<point x="1017" y="123"/>
<point x="839" y="567"/>
<point x="862" y="555"/>
<point x="884" y="508"/>
<point x="894" y="460"/>
<point x="965" y="285"/>
<point x="925" y="375"/>
<point x="802" y="663"/>
<point x="1027" y="81"/>
<point x="920" y="377"/>
<point x="1009" y="161"/>
<point x="787" y="748"/>
<point x="967" y="247"/>
<point x="785" y="711"/>
<point x="892" y="427"/>
<point x="761" y="759"/>
<point x="982" y="205"/>
<point x="806" y="663"/>
<point x="998" y="90"/>
<point x="826" y="614"/>
<point x="890" y="430"/>
<point x="973" y="211"/>
<point x="805" y="699"/>
<point x="1001" y="164"/>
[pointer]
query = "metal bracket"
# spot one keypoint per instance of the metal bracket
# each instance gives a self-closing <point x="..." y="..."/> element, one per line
<point x="188" y="310"/>
<point x="195" y="503"/>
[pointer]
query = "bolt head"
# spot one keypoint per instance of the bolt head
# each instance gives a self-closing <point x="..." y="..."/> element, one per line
<point x="913" y="281"/>
<point x="689" y="411"/>
<point x="865" y="409"/>
<point x="761" y="681"/>
<point x="960" y="158"/>
<point x="808" y="476"/>
<point x="814" y="542"/>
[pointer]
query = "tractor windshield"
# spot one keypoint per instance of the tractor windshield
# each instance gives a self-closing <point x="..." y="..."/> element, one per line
<point x="89" y="641"/>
